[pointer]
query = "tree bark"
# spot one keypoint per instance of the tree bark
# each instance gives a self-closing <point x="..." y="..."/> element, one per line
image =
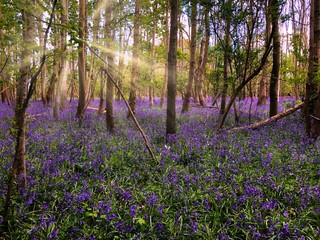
<point x="226" y="69"/>
<point x="273" y="88"/>
<point x="111" y="68"/>
<point x="165" y="78"/>
<point x="153" y="58"/>
<point x="60" y="99"/>
<point x="82" y="62"/>
<point x="192" y="62"/>
<point x="204" y="56"/>
<point x="172" y="71"/>
<point x="135" y="58"/>
<point x="102" y="82"/>
<point x="262" y="99"/>
<point x="43" y="75"/>
<point x="312" y="100"/>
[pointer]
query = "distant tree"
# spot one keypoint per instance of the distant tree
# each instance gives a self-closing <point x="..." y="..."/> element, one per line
<point x="172" y="70"/>
<point x="192" y="61"/>
<point x="273" y="89"/>
<point x="203" y="57"/>
<point x="153" y="53"/>
<point x="135" y="57"/>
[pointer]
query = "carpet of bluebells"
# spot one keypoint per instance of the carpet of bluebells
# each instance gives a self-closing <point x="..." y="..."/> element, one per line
<point x="85" y="183"/>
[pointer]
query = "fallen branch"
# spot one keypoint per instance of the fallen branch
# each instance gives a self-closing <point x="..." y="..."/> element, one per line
<point x="94" y="108"/>
<point x="198" y="105"/>
<point x="268" y="120"/>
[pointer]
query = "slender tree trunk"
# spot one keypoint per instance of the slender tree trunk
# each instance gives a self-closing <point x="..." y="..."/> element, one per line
<point x="111" y="68"/>
<point x="273" y="89"/>
<point x="165" y="79"/>
<point x="44" y="70"/>
<point x="55" y="71"/>
<point x="192" y="63"/>
<point x="262" y="99"/>
<point x="202" y="69"/>
<point x="153" y="60"/>
<point x="226" y="68"/>
<point x="60" y="99"/>
<point x="19" y="163"/>
<point x="204" y="56"/>
<point x="72" y="80"/>
<point x="135" y="58"/>
<point x="312" y="108"/>
<point x="102" y="82"/>
<point x="121" y="57"/>
<point x="82" y="60"/>
<point x="4" y="59"/>
<point x="172" y="71"/>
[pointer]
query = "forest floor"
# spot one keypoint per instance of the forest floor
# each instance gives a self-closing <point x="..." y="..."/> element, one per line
<point x="85" y="183"/>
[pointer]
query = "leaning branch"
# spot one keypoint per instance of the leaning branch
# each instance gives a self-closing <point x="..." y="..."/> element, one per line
<point x="148" y="146"/>
<point x="268" y="120"/>
<point x="132" y="115"/>
<point x="249" y="78"/>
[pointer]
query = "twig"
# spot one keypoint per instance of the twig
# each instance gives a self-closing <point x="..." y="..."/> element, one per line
<point x="314" y="117"/>
<point x="4" y="65"/>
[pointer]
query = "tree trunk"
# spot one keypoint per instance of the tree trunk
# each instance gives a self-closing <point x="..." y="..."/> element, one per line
<point x="4" y="59"/>
<point x="19" y="163"/>
<point x="172" y="71"/>
<point x="273" y="88"/>
<point x="54" y="76"/>
<point x="60" y="99"/>
<point x="262" y="99"/>
<point x="226" y="71"/>
<point x="82" y="60"/>
<point x="165" y="79"/>
<point x="312" y="100"/>
<point x="192" y="63"/>
<point x="44" y="70"/>
<point x="153" y="60"/>
<point x="102" y="82"/>
<point x="111" y="68"/>
<point x="135" y="58"/>
<point x="204" y="55"/>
